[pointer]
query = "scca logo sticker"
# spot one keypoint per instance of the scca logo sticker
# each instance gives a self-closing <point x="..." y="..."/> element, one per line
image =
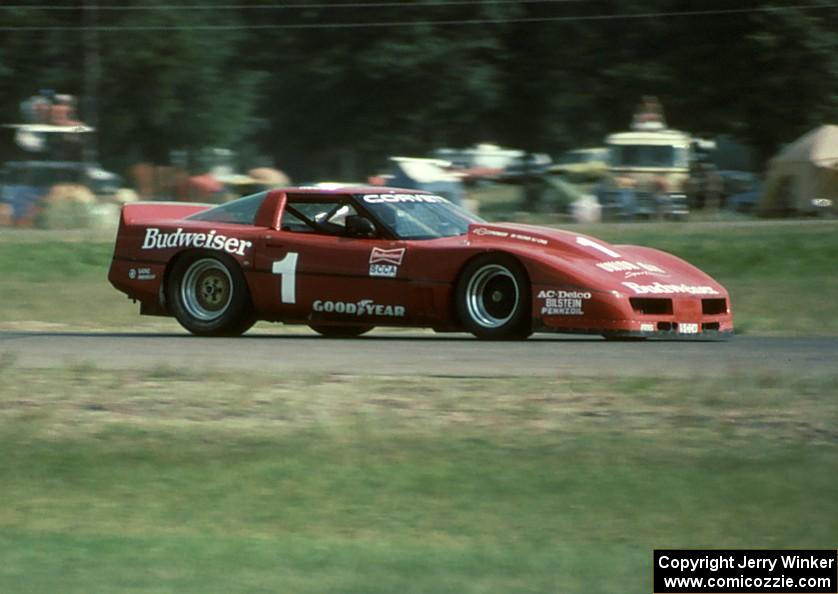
<point x="386" y="262"/>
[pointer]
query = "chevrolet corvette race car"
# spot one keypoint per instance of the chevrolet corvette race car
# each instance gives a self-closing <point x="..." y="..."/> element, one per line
<point x="346" y="260"/>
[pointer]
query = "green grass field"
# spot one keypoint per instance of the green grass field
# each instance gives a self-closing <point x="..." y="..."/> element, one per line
<point x="170" y="480"/>
<point x="781" y="275"/>
<point x="166" y="480"/>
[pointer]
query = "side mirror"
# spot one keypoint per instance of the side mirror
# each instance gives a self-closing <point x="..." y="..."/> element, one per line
<point x="358" y="226"/>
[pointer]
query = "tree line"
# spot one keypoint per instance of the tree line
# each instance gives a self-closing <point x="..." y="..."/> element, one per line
<point x="324" y="89"/>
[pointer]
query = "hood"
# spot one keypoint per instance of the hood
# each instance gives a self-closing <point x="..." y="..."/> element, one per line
<point x="540" y="238"/>
<point x="583" y="260"/>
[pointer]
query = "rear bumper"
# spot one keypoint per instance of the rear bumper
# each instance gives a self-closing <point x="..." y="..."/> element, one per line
<point x="141" y="281"/>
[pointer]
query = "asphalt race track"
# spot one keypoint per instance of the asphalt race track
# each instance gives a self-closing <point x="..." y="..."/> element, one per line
<point x="454" y="355"/>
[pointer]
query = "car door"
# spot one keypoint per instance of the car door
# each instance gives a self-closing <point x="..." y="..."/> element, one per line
<point x="322" y="275"/>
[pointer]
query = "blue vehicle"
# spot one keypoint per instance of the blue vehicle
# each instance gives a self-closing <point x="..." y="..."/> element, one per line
<point x="24" y="183"/>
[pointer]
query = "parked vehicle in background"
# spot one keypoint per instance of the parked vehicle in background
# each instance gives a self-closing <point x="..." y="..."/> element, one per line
<point x="525" y="166"/>
<point x="49" y="164"/>
<point x="24" y="184"/>
<point x="649" y="167"/>
<point x="481" y="162"/>
<point x="654" y="164"/>
<point x="745" y="202"/>
<point x="584" y="156"/>
<point x="740" y="190"/>
<point x="582" y="166"/>
<point x="429" y="175"/>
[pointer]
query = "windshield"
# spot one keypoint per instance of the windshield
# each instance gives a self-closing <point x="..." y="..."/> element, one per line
<point x="589" y="156"/>
<point x="648" y="155"/>
<point x="418" y="216"/>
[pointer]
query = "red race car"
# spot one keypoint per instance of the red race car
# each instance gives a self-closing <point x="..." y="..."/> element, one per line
<point x="346" y="260"/>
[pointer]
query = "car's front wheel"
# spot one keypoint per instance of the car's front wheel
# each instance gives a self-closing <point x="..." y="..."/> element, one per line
<point x="208" y="295"/>
<point x="493" y="298"/>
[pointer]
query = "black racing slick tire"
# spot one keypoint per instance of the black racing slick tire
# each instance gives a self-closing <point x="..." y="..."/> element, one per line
<point x="493" y="298"/>
<point x="340" y="331"/>
<point x="208" y="295"/>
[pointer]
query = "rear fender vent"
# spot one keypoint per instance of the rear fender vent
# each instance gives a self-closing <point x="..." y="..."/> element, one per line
<point x="713" y="307"/>
<point x="651" y="306"/>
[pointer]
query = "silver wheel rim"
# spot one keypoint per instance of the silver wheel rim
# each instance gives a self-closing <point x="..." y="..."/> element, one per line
<point x="492" y="296"/>
<point x="206" y="290"/>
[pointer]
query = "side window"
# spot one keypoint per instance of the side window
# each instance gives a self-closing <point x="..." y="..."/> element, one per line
<point x="291" y="222"/>
<point x="335" y="218"/>
<point x="320" y="216"/>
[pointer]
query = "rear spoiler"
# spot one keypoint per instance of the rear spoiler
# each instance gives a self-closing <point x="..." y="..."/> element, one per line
<point x="139" y="213"/>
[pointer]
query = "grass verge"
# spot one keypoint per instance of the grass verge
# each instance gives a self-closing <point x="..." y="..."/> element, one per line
<point x="172" y="480"/>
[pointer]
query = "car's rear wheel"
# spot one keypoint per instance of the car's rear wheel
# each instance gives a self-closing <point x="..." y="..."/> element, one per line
<point x="208" y="295"/>
<point x="331" y="331"/>
<point x="493" y="298"/>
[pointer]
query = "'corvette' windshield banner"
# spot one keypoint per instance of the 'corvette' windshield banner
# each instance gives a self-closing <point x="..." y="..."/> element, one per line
<point x="378" y="198"/>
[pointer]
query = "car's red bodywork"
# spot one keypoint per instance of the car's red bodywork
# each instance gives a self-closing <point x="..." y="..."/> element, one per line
<point x="578" y="284"/>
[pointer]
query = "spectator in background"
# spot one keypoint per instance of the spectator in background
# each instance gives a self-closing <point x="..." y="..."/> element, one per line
<point x="713" y="189"/>
<point x="663" y="204"/>
<point x="38" y="109"/>
<point x="62" y="112"/>
<point x="626" y="194"/>
<point x="694" y="186"/>
<point x="649" y="114"/>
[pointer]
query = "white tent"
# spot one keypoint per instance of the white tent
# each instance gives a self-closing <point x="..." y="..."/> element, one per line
<point x="803" y="177"/>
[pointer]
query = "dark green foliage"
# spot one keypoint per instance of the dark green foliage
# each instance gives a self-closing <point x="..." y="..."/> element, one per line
<point x="328" y="91"/>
